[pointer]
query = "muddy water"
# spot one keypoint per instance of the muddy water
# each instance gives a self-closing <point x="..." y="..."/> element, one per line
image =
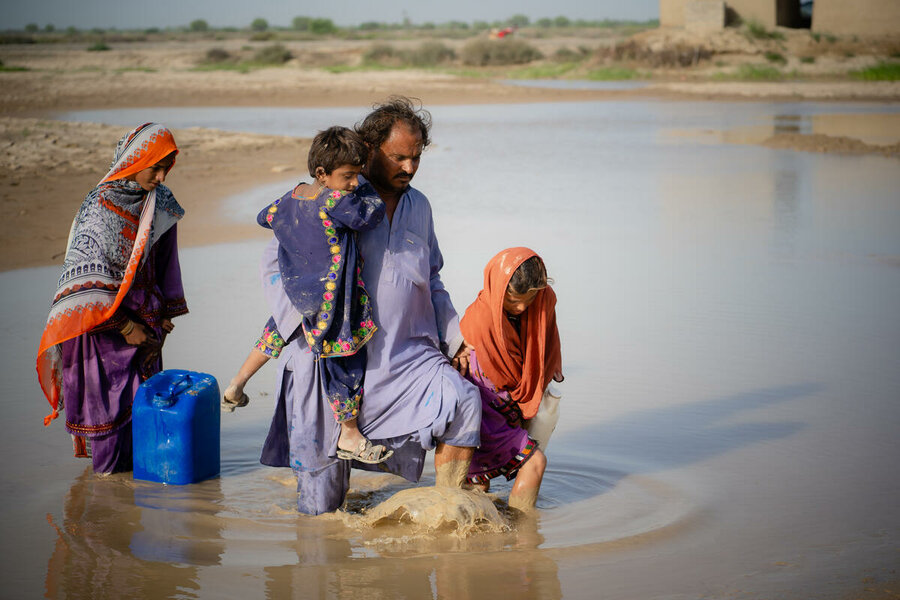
<point x="729" y="417"/>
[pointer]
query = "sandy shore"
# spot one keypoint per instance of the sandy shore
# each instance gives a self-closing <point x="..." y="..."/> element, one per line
<point x="47" y="166"/>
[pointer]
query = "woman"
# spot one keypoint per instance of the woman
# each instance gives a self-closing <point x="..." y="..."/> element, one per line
<point x="119" y="289"/>
<point x="511" y="328"/>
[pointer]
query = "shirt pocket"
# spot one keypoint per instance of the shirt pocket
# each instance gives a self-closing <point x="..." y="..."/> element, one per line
<point x="411" y="255"/>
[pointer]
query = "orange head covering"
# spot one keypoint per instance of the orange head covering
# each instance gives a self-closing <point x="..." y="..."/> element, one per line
<point x="140" y="149"/>
<point x="521" y="362"/>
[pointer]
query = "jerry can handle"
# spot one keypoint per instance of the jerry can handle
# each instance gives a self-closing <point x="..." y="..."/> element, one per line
<point x="175" y="388"/>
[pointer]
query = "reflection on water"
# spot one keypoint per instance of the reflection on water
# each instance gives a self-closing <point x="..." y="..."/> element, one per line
<point x="117" y="535"/>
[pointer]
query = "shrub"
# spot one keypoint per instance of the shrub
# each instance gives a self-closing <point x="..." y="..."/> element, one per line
<point x="430" y="54"/>
<point x="569" y="55"/>
<point x="807" y="60"/>
<point x="217" y="55"/>
<point x="301" y="23"/>
<point x="199" y="25"/>
<point x="483" y="52"/>
<point x="381" y="54"/>
<point x="276" y="54"/>
<point x="756" y="31"/>
<point x="98" y="47"/>
<point x="259" y="24"/>
<point x="775" y="57"/>
<point x="322" y="26"/>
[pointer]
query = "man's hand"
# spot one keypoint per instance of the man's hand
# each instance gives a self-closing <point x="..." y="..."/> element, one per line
<point x="460" y="361"/>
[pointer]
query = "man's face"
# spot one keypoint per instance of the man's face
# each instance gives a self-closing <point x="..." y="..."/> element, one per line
<point x="392" y="165"/>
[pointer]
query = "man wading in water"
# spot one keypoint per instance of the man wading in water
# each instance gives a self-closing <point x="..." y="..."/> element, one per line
<point x="414" y="398"/>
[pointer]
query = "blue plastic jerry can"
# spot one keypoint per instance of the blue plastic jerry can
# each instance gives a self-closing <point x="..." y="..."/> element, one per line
<point x="175" y="423"/>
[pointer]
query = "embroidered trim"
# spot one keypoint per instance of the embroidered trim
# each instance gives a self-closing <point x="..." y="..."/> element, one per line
<point x="96" y="430"/>
<point x="510" y="469"/>
<point x="270" y="343"/>
<point x="344" y="408"/>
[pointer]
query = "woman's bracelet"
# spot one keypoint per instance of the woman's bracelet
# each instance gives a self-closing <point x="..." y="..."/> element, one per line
<point x="127" y="328"/>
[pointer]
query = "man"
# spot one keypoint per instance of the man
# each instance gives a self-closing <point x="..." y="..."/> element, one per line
<point x="414" y="400"/>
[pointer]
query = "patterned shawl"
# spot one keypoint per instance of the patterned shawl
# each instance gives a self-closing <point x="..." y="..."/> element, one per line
<point x="117" y="222"/>
<point x="521" y="362"/>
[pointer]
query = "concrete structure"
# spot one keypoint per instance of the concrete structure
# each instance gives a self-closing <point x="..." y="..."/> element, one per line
<point x="704" y="15"/>
<point x="838" y="17"/>
<point x="768" y="13"/>
<point x="856" y="17"/>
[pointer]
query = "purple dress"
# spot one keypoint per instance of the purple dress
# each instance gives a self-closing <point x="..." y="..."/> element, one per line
<point x="413" y="398"/>
<point x="101" y="372"/>
<point x="320" y="273"/>
<point x="504" y="446"/>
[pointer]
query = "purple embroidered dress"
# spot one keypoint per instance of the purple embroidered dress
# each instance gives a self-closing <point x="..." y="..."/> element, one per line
<point x="100" y="371"/>
<point x="320" y="271"/>
<point x="505" y="445"/>
<point x="413" y="399"/>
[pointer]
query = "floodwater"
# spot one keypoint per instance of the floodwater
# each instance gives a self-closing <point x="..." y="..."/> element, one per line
<point x="729" y="421"/>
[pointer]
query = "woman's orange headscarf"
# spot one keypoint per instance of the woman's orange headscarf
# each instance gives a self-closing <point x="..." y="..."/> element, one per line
<point x="523" y="364"/>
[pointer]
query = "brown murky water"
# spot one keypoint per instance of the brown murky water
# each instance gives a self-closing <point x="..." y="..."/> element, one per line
<point x="729" y="416"/>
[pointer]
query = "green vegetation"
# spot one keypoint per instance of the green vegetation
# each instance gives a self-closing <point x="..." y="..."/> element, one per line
<point x="199" y="25"/>
<point x="751" y="73"/>
<point x="612" y="74"/>
<point x="259" y="24"/>
<point x="219" y="59"/>
<point x="775" y="57"/>
<point x="276" y="54"/>
<point x="482" y="52"/>
<point x="427" y="54"/>
<point x="756" y="31"/>
<point x="883" y="71"/>
<point x="98" y="47"/>
<point x="543" y="71"/>
<point x="807" y="60"/>
<point x="4" y="68"/>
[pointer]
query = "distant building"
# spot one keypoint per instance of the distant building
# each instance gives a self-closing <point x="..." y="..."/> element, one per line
<point x="839" y="17"/>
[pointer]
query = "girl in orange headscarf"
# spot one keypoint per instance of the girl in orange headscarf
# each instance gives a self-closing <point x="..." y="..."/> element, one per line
<point x="511" y="328"/>
<point x="119" y="289"/>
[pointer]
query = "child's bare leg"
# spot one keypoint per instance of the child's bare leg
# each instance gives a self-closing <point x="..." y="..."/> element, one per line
<point x="234" y="393"/>
<point x="524" y="493"/>
<point x="350" y="437"/>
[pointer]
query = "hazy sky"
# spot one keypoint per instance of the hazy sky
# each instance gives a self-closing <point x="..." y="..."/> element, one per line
<point x="129" y="14"/>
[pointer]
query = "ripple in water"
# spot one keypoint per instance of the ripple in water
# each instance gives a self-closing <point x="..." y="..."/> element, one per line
<point x="250" y="518"/>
